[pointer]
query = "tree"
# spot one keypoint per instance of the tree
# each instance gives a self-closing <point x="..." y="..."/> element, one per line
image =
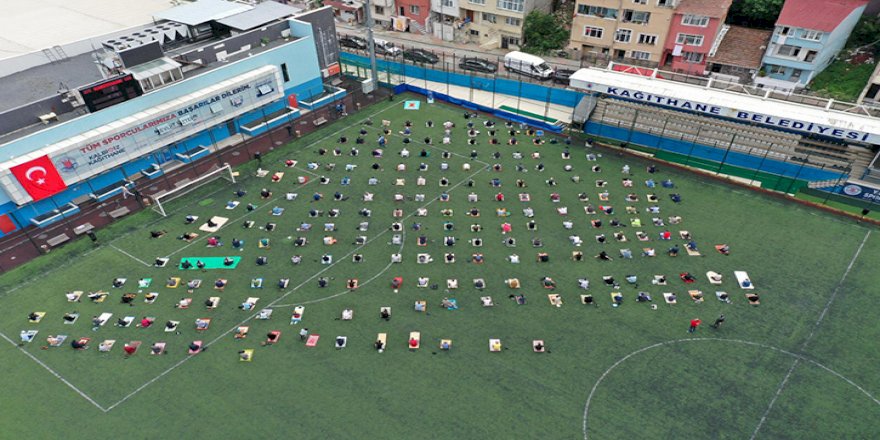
<point x="542" y="33"/>
<point x="756" y="13"/>
<point x="866" y="32"/>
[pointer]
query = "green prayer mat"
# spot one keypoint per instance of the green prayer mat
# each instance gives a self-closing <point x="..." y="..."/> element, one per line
<point x="210" y="262"/>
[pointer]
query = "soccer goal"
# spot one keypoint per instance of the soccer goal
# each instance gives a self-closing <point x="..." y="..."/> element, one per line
<point x="185" y="186"/>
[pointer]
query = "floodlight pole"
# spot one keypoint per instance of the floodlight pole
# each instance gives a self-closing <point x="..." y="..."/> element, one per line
<point x="371" y="45"/>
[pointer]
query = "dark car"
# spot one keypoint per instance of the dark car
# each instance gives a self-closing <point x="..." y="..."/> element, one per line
<point x="562" y="75"/>
<point x="353" y="42"/>
<point x="478" y="65"/>
<point x="420" y="56"/>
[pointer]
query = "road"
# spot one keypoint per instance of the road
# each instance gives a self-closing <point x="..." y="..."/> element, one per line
<point x="417" y="40"/>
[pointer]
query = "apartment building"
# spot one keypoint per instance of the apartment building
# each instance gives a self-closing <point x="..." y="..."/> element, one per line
<point x="695" y="32"/>
<point x="417" y="12"/>
<point x="807" y="37"/>
<point x="621" y="29"/>
<point x="489" y="23"/>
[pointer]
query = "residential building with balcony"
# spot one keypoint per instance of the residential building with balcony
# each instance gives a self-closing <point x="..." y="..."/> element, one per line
<point x="622" y="29"/>
<point x="807" y="37"/>
<point x="489" y="23"/>
<point x="695" y="32"/>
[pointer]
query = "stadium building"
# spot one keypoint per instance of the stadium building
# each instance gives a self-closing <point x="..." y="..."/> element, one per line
<point x="787" y="142"/>
<point x="100" y="132"/>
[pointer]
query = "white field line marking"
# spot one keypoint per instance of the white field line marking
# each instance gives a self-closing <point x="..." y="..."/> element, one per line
<point x="810" y="336"/>
<point x="798" y="357"/>
<point x="54" y="373"/>
<point x="130" y="255"/>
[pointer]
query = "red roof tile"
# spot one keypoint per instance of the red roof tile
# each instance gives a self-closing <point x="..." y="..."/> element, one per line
<point x="709" y="8"/>
<point x="742" y="47"/>
<point x="819" y="15"/>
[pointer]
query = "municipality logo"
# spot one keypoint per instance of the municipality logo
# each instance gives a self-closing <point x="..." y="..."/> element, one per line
<point x="852" y="190"/>
<point x="66" y="165"/>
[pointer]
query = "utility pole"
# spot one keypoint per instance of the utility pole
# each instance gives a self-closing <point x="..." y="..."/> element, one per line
<point x="371" y="45"/>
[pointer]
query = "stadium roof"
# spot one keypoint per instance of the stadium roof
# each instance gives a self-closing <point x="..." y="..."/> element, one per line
<point x="202" y="11"/>
<point x="819" y="15"/>
<point x="263" y="13"/>
<point x="663" y="91"/>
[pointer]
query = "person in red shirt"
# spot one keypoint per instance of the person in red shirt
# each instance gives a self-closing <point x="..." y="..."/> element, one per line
<point x="694" y="324"/>
<point x="413" y="343"/>
<point x="129" y="349"/>
<point x="146" y="322"/>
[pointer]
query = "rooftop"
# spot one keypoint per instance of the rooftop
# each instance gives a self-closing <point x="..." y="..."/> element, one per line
<point x="819" y="15"/>
<point x="742" y="47"/>
<point x="32" y="25"/>
<point x="261" y="14"/>
<point x="202" y="11"/>
<point x="709" y="8"/>
<point x="39" y="82"/>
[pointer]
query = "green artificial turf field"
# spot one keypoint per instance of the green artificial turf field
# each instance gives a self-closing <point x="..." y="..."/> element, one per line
<point x="800" y="365"/>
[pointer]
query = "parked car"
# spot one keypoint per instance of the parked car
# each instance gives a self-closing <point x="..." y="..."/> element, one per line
<point x="478" y="65"/>
<point x="420" y="56"/>
<point x="386" y="48"/>
<point x="562" y="75"/>
<point x="353" y="42"/>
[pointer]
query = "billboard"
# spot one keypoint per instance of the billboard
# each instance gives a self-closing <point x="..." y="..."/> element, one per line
<point x="110" y="92"/>
<point x="859" y="191"/>
<point x="90" y="153"/>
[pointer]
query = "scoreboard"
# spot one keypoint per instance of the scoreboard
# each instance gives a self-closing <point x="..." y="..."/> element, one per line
<point x="110" y="92"/>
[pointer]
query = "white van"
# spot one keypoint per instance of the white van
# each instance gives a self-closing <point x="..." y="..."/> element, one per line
<point x="529" y="65"/>
<point x="386" y="48"/>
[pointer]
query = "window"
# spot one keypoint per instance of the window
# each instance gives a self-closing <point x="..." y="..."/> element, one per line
<point x="512" y="21"/>
<point x="689" y="39"/>
<point x="447" y="3"/>
<point x="513" y="41"/>
<point x="639" y="55"/>
<point x="647" y="39"/>
<point x="379" y="10"/>
<point x="511" y="5"/>
<point x="695" y="20"/>
<point x="593" y="32"/>
<point x="641" y="2"/>
<point x="284" y="72"/>
<point x="474" y="32"/>
<point x="796" y="74"/>
<point x="775" y="70"/>
<point x="784" y="30"/>
<point x="787" y="50"/>
<point x="665" y="2"/>
<point x="597" y="11"/>
<point x="630" y="16"/>
<point x="414" y="10"/>
<point x="477" y="2"/>
<point x="811" y="56"/>
<point x="490" y="18"/>
<point x="623" y="35"/>
<point x="812" y="35"/>
<point x="692" y="57"/>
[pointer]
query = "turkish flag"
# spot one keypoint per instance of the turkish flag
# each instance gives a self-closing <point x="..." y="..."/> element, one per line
<point x="39" y="178"/>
